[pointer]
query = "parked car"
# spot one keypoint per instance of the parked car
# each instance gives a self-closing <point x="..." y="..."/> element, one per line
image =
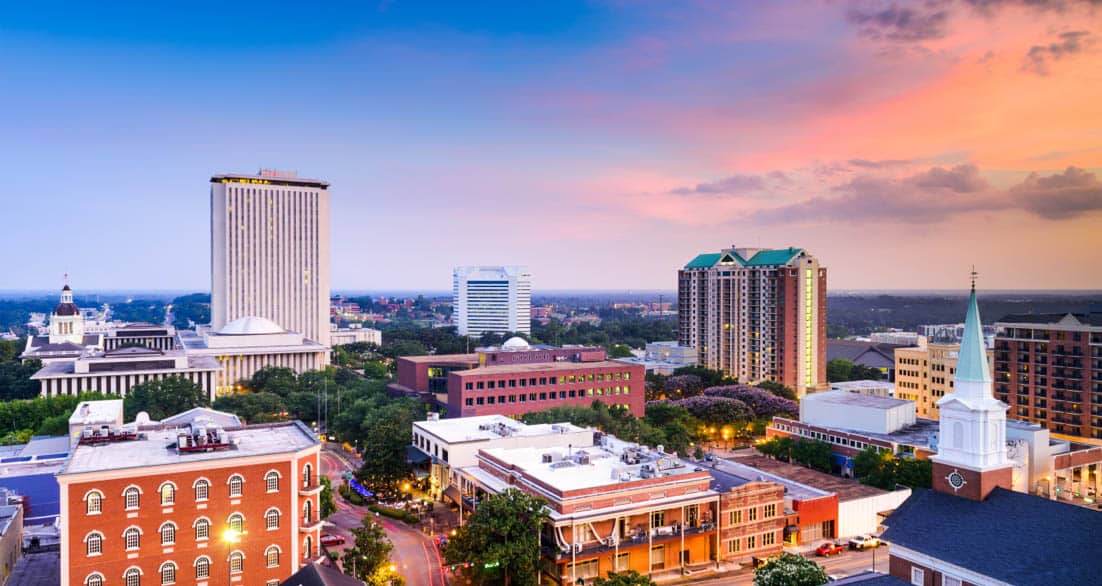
<point x="330" y="540"/>
<point x="864" y="542"/>
<point x="830" y="548"/>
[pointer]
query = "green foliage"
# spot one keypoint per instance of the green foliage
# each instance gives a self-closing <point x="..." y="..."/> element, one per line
<point x="778" y="447"/>
<point x="350" y="496"/>
<point x="790" y="570"/>
<point x="812" y="453"/>
<point x="670" y="426"/>
<point x="253" y="407"/>
<point x="369" y="557"/>
<point x="501" y="540"/>
<point x="777" y="389"/>
<point x="20" y="419"/>
<point x="328" y="504"/>
<point x="139" y="310"/>
<point x="387" y="434"/>
<point x="189" y="309"/>
<point x="710" y="378"/>
<point x="163" y="398"/>
<point x="628" y="578"/>
<point x="399" y="514"/>
<point x="840" y="369"/>
<point x="885" y="471"/>
<point x="620" y="351"/>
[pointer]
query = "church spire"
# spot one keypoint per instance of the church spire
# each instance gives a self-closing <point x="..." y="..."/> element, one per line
<point x="972" y="359"/>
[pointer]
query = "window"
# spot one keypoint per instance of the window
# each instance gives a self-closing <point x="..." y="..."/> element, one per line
<point x="202" y="567"/>
<point x="752" y="514"/>
<point x="93" y="505"/>
<point x="132" y="537"/>
<point x="769" y="538"/>
<point x="623" y="562"/>
<point x="308" y="512"/>
<point x="132" y="497"/>
<point x="168" y="534"/>
<point x="271" y="555"/>
<point x="658" y="557"/>
<point x="657" y="519"/>
<point x="751" y="542"/>
<point x="271" y="481"/>
<point x="93" y="543"/>
<point x="236" y="523"/>
<point x="237" y="562"/>
<point x="952" y="580"/>
<point x="272" y="583"/>
<point x="271" y="519"/>
<point x="769" y="511"/>
<point x="202" y="529"/>
<point x="168" y="573"/>
<point x="168" y="493"/>
<point x="308" y="547"/>
<point x="918" y="576"/>
<point x="133" y="577"/>
<point x="202" y="489"/>
<point x="734" y="517"/>
<point x="733" y="546"/>
<point x="236" y="483"/>
<point x="94" y="580"/>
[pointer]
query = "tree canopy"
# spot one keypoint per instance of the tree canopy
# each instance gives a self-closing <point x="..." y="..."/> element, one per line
<point x="369" y="557"/>
<point x="163" y="398"/>
<point x="883" y="470"/>
<point x="790" y="570"/>
<point x="500" y="541"/>
<point x="627" y="578"/>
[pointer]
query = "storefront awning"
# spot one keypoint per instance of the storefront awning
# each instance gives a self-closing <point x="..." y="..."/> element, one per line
<point x="415" y="456"/>
<point x="452" y="494"/>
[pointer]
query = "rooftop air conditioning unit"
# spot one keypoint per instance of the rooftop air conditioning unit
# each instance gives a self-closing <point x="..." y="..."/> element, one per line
<point x="547" y="459"/>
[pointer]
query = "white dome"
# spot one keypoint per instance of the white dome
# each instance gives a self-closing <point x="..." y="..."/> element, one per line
<point x="251" y="325"/>
<point x="515" y="343"/>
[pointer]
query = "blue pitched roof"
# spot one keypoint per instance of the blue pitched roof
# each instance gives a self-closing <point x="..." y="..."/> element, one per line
<point x="773" y="257"/>
<point x="1010" y="536"/>
<point x="972" y="360"/>
<point x="703" y="261"/>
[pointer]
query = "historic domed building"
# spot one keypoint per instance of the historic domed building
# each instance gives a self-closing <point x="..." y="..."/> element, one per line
<point x="67" y="339"/>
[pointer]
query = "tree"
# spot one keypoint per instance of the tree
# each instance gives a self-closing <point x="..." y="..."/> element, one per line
<point x="164" y="397"/>
<point x="384" y="446"/>
<point x="501" y="540"/>
<point x="620" y="351"/>
<point x="369" y="557"/>
<point x="628" y="578"/>
<point x="839" y="370"/>
<point x="777" y="389"/>
<point x="328" y="503"/>
<point x="790" y="570"/>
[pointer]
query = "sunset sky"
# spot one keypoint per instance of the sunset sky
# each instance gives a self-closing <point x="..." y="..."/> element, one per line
<point x="603" y="144"/>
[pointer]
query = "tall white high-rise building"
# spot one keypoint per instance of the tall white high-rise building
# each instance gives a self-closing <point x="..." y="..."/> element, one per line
<point x="492" y="299"/>
<point x="270" y="251"/>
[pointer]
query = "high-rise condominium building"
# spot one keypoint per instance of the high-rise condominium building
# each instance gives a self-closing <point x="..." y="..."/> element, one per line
<point x="492" y="299"/>
<point x="1048" y="367"/>
<point x="756" y="315"/>
<point x="270" y="251"/>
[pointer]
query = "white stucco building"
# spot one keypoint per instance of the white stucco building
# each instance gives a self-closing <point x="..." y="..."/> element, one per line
<point x="860" y="412"/>
<point x="492" y="299"/>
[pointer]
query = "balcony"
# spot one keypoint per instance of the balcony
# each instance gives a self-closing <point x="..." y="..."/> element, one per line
<point x="310" y="489"/>
<point x="658" y="535"/>
<point x="309" y="524"/>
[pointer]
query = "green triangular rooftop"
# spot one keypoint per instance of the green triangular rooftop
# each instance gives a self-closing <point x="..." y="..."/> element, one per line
<point x="972" y="359"/>
<point x="763" y="258"/>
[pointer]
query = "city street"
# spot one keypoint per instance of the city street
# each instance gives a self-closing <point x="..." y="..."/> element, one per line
<point x="846" y="564"/>
<point x="414" y="554"/>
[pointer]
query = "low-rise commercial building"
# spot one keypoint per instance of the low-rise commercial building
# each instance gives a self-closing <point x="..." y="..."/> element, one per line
<point x="664" y="357"/>
<point x="355" y="335"/>
<point x="115" y="372"/>
<point x="196" y="504"/>
<point x="866" y="412"/>
<point x="924" y="374"/>
<point x="141" y="334"/>
<point x="876" y="388"/>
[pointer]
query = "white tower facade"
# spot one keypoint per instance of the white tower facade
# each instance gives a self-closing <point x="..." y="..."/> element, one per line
<point x="66" y="323"/>
<point x="495" y="299"/>
<point x="270" y="251"/>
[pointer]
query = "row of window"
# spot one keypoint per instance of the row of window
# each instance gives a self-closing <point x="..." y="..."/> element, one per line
<point x="751" y="514"/>
<point x="93" y="500"/>
<point x="543" y="380"/>
<point x="552" y="396"/>
<point x="202" y="565"/>
<point x="93" y="542"/>
<point x="825" y="437"/>
<point x="751" y="542"/>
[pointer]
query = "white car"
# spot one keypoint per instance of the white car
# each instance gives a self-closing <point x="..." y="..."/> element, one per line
<point x="864" y="542"/>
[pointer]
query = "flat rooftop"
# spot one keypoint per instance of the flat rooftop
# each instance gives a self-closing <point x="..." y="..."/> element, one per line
<point x="194" y="343"/>
<point x="155" y="447"/>
<point x="106" y="411"/>
<point x="539" y="367"/>
<point x="849" y="399"/>
<point x="490" y="427"/>
<point x="434" y="358"/>
<point x="847" y="489"/>
<point x="919" y="434"/>
<point x="55" y="369"/>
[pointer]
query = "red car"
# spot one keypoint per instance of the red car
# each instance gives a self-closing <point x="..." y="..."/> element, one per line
<point x="830" y="548"/>
<point x="330" y="540"/>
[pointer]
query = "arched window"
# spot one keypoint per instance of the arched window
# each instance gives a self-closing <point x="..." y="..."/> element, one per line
<point x="271" y="519"/>
<point x="133" y="577"/>
<point x="236" y="523"/>
<point x="202" y="567"/>
<point x="237" y="562"/>
<point x="168" y="573"/>
<point x="308" y="512"/>
<point x="202" y="529"/>
<point x="93" y="505"/>
<point x="168" y="493"/>
<point x="202" y="489"/>
<point x="168" y="533"/>
<point x="133" y="538"/>
<point x="958" y="435"/>
<point x="132" y="496"/>
<point x="93" y="543"/>
<point x="94" y="579"/>
<point x="271" y="481"/>
<point x="308" y="547"/>
<point x="236" y="483"/>
<point x="271" y="556"/>
<point x="307" y="475"/>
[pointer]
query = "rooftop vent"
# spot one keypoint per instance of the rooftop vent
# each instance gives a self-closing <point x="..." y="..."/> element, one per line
<point x="106" y="434"/>
<point x="202" y="437"/>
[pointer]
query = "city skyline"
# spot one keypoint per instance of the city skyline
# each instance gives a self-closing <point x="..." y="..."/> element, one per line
<point x="884" y="138"/>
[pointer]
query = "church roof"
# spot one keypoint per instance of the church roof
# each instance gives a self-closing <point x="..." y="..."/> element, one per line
<point x="972" y="359"/>
<point x="1010" y="536"/>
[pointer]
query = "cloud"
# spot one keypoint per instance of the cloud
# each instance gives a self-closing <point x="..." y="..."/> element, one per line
<point x="881" y="164"/>
<point x="907" y="24"/>
<point x="989" y="7"/>
<point x="1058" y="197"/>
<point x="1038" y="57"/>
<point x="737" y="185"/>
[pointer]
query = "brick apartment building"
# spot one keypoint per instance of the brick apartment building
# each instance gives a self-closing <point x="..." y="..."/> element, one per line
<point x="757" y="315"/>
<point x="517" y="378"/>
<point x="190" y="505"/>
<point x="1048" y="368"/>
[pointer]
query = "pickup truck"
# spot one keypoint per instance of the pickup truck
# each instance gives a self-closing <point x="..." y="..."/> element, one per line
<point x="830" y="548"/>
<point x="864" y="542"/>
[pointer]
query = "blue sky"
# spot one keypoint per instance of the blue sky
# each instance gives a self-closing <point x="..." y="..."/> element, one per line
<point x="569" y="136"/>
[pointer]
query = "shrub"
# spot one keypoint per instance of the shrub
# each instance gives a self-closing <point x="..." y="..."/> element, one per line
<point x="398" y="514"/>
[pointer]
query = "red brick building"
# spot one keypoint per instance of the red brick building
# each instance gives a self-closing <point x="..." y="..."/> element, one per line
<point x="191" y="505"/>
<point x="517" y="379"/>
